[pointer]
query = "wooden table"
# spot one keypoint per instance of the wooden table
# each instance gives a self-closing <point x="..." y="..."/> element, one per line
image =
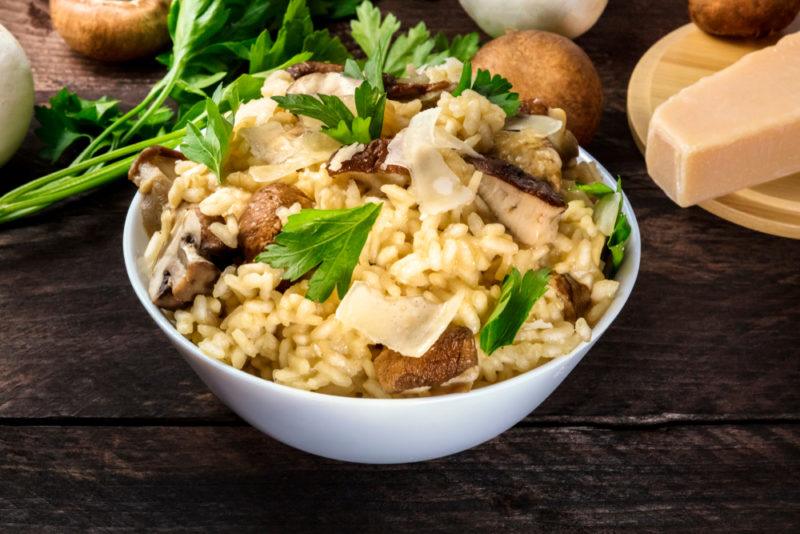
<point x="684" y="416"/>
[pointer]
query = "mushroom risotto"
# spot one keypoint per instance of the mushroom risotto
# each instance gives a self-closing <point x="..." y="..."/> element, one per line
<point x="459" y="246"/>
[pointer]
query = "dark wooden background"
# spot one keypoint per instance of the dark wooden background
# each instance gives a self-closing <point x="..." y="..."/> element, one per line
<point x="684" y="416"/>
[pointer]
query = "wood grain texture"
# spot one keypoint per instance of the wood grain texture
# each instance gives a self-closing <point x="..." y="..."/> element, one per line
<point x="684" y="416"/>
<point x="532" y="479"/>
<point x="709" y="330"/>
<point x="681" y="59"/>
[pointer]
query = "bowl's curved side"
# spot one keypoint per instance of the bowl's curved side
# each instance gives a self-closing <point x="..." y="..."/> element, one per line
<point x="378" y="430"/>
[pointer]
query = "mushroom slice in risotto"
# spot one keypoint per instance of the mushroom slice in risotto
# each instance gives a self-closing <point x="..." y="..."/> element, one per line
<point x="530" y="152"/>
<point x="183" y="269"/>
<point x="259" y="224"/>
<point x="452" y="360"/>
<point x="305" y="68"/>
<point x="530" y="208"/>
<point x="153" y="173"/>
<point x="367" y="164"/>
<point x="576" y="297"/>
<point x="405" y="91"/>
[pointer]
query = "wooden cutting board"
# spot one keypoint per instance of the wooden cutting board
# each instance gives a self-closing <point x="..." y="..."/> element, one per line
<point x="680" y="59"/>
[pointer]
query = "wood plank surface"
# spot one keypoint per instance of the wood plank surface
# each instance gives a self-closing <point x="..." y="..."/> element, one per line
<point x="532" y="479"/>
<point x="685" y="416"/>
<point x="709" y="330"/>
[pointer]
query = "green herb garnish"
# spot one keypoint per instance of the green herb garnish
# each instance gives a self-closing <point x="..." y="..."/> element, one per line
<point x="496" y="88"/>
<point x="517" y="297"/>
<point x="618" y="238"/>
<point x="416" y="47"/>
<point x="339" y="122"/>
<point x="330" y="240"/>
<point x="213" y="42"/>
<point x="595" y="189"/>
<point x="210" y="147"/>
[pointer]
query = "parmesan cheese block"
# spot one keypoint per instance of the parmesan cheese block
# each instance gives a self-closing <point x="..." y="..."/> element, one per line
<point x="734" y="129"/>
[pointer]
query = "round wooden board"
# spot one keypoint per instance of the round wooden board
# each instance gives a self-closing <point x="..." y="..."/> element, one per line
<point x="679" y="60"/>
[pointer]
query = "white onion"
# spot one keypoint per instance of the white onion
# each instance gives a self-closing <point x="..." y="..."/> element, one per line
<point x="16" y="95"/>
<point x="569" y="18"/>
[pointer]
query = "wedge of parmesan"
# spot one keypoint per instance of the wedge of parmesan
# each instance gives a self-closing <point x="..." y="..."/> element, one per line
<point x="734" y="129"/>
<point x="408" y="325"/>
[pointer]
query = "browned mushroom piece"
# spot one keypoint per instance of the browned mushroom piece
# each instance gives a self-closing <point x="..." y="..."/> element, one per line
<point x="259" y="224"/>
<point x="305" y="68"/>
<point x="533" y="106"/>
<point x="370" y="159"/>
<point x="112" y="30"/>
<point x="183" y="270"/>
<point x="529" y="208"/>
<point x="531" y="152"/>
<point x="153" y="173"/>
<point x="451" y="358"/>
<point x="577" y="298"/>
<point x="405" y="91"/>
<point x="563" y="142"/>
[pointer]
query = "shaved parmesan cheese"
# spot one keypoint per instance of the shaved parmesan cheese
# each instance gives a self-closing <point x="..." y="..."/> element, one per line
<point x="324" y="83"/>
<point x="408" y="325"/>
<point x="434" y="184"/>
<point x="541" y="125"/>
<point x="283" y="153"/>
<point x="395" y="151"/>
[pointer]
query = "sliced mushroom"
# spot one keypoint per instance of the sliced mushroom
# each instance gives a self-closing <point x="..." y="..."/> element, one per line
<point x="531" y="153"/>
<point x="305" y="68"/>
<point x="576" y="297"/>
<point x="259" y="224"/>
<point x="182" y="272"/>
<point x="563" y="141"/>
<point x="453" y="355"/>
<point x="404" y="91"/>
<point x="367" y="164"/>
<point x="529" y="207"/>
<point x="153" y="173"/>
<point x="533" y="106"/>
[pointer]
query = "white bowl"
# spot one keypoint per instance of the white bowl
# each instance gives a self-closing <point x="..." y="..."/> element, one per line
<point x="378" y="430"/>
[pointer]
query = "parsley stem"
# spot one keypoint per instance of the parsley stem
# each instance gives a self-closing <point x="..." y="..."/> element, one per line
<point x="40" y="183"/>
<point x="96" y="142"/>
<point x="168" y="84"/>
<point x="79" y="184"/>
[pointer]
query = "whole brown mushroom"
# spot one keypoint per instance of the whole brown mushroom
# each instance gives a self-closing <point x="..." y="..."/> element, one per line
<point x="112" y="30"/>
<point x="743" y="18"/>
<point x="551" y="68"/>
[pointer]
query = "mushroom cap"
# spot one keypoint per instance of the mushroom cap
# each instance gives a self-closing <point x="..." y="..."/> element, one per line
<point x="112" y="30"/>
<point x="551" y="68"/>
<point x="743" y="18"/>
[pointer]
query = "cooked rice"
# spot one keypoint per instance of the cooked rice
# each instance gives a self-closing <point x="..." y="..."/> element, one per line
<point x="281" y="336"/>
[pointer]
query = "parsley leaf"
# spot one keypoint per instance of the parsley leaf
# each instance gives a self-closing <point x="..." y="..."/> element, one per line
<point x="211" y="147"/>
<point x="415" y="47"/>
<point x="618" y="238"/>
<point x="70" y="118"/>
<point x="496" y="88"/>
<point x="368" y="30"/>
<point x="595" y="189"/>
<point x="339" y="121"/>
<point x="517" y="297"/>
<point x="330" y="240"/>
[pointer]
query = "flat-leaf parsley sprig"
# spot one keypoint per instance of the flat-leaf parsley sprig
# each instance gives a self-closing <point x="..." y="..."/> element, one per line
<point x="517" y="297"/>
<point x="496" y="88"/>
<point x="339" y="122"/>
<point x="328" y="240"/>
